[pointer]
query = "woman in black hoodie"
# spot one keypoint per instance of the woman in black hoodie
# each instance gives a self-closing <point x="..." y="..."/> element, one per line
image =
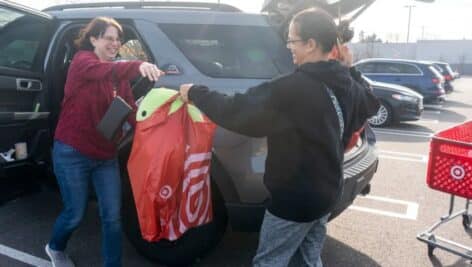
<point x="308" y="117"/>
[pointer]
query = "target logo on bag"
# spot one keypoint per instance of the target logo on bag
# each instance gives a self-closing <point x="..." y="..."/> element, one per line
<point x="165" y="192"/>
<point x="195" y="206"/>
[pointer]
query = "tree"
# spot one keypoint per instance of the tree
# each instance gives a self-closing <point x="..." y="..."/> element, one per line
<point x="372" y="38"/>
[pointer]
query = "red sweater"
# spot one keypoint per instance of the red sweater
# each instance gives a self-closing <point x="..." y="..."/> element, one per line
<point x="87" y="94"/>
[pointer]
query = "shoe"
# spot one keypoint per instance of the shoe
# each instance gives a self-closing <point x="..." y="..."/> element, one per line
<point x="58" y="258"/>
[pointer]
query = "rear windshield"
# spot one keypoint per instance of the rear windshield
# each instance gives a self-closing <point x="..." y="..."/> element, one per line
<point x="449" y="69"/>
<point x="435" y="72"/>
<point x="232" y="51"/>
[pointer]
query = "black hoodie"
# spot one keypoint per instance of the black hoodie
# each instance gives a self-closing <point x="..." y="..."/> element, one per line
<point x="304" y="165"/>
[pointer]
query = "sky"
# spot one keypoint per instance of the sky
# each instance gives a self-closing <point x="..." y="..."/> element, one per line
<point x="388" y="19"/>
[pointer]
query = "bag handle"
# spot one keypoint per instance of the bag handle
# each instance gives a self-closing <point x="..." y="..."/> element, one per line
<point x="165" y="106"/>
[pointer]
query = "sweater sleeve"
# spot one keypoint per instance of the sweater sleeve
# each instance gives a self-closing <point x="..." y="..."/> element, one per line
<point x="88" y="66"/>
<point x="251" y="113"/>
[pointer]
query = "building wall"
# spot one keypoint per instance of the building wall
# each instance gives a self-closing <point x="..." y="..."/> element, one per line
<point x="458" y="53"/>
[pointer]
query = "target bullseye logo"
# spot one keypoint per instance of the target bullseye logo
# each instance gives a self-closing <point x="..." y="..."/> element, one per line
<point x="166" y="192"/>
<point x="457" y="172"/>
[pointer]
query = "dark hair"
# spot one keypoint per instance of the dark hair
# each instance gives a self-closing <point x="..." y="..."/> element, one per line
<point x="345" y="32"/>
<point x="96" y="28"/>
<point x="315" y="23"/>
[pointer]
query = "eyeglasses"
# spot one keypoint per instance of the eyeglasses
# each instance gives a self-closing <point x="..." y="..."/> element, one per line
<point x="111" y="39"/>
<point x="294" y="41"/>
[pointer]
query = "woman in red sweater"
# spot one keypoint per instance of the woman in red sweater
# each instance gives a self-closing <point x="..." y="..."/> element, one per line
<point x="81" y="155"/>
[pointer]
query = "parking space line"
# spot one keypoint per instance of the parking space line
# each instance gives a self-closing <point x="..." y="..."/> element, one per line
<point x="428" y="121"/>
<point x="24" y="257"/>
<point x="410" y="214"/>
<point x="432" y="111"/>
<point x="404" y="133"/>
<point x="432" y="106"/>
<point x="403" y="156"/>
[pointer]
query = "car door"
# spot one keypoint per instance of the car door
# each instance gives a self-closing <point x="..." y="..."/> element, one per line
<point x="411" y="76"/>
<point x="24" y="39"/>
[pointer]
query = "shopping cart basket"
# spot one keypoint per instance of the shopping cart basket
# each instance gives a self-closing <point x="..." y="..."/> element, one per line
<point x="450" y="171"/>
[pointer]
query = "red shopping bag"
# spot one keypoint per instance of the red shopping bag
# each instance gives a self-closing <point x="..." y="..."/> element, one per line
<point x="169" y="170"/>
<point x="354" y="139"/>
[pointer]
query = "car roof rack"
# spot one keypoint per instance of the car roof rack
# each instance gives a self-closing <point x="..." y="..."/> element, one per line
<point x="154" y="4"/>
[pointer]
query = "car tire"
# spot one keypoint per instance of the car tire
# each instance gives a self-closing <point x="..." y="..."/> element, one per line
<point x="384" y="116"/>
<point x="194" y="244"/>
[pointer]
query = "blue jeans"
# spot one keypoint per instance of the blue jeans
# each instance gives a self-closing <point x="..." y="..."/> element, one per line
<point x="74" y="173"/>
<point x="284" y="242"/>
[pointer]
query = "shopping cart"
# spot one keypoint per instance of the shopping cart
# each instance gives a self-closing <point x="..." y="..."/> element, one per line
<point x="450" y="171"/>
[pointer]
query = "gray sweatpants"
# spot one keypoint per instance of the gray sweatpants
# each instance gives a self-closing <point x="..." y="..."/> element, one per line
<point x="282" y="242"/>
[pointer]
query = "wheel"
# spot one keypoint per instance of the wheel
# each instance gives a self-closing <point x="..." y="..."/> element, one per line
<point x="466" y="219"/>
<point x="431" y="250"/>
<point x="383" y="117"/>
<point x="192" y="245"/>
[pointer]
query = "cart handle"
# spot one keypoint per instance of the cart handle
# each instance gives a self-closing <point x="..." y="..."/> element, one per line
<point x="467" y="144"/>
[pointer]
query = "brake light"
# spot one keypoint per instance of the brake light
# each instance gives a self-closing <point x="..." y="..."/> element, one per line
<point x="436" y="80"/>
<point x="448" y="77"/>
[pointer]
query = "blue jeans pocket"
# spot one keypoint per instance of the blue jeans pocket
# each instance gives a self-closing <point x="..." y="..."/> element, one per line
<point x="61" y="148"/>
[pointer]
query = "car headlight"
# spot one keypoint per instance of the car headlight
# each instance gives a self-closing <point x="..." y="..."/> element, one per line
<point x="405" y="98"/>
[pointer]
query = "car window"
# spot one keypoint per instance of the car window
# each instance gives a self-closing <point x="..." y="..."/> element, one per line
<point x="449" y="69"/>
<point x="408" y="69"/>
<point x="367" y="68"/>
<point x="133" y="50"/>
<point x="396" y="68"/>
<point x="21" y="37"/>
<point x="7" y="16"/>
<point x="385" y="67"/>
<point x="231" y="51"/>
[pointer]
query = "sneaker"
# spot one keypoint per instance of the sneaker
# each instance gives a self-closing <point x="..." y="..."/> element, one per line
<point x="58" y="258"/>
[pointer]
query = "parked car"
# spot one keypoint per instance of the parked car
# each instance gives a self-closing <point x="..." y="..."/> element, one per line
<point x="448" y="74"/>
<point x="397" y="103"/>
<point x="420" y="76"/>
<point x="213" y="44"/>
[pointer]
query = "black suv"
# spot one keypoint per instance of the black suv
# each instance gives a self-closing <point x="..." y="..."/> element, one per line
<point x="212" y="44"/>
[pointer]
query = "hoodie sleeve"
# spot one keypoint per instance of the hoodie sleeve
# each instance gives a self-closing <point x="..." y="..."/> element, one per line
<point x="357" y="76"/>
<point x="251" y="113"/>
<point x="369" y="100"/>
<point x="364" y="104"/>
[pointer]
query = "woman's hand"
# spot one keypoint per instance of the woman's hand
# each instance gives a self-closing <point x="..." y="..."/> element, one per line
<point x="345" y="56"/>
<point x="151" y="71"/>
<point x="184" y="88"/>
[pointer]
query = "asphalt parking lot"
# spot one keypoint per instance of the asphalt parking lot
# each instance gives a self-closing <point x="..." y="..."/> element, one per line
<point x="378" y="230"/>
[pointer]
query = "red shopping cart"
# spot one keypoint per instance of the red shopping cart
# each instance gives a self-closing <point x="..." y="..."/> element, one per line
<point x="450" y="171"/>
